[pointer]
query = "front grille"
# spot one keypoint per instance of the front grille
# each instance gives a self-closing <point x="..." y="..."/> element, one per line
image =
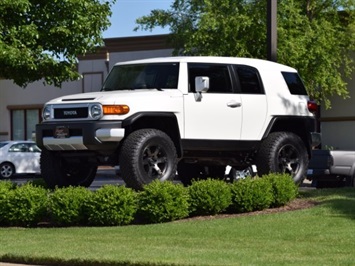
<point x="71" y="113"/>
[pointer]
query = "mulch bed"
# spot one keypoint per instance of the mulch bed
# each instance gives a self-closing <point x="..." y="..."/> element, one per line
<point x="297" y="204"/>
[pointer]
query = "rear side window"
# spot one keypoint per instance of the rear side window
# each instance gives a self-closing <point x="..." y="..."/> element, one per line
<point x="249" y="80"/>
<point x="294" y="83"/>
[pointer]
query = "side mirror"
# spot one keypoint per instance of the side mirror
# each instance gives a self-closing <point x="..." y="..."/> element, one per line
<point x="202" y="84"/>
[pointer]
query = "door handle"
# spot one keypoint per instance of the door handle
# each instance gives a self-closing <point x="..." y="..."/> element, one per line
<point x="234" y="104"/>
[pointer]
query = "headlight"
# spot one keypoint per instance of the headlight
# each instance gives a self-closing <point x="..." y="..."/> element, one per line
<point x="96" y="111"/>
<point x="46" y="113"/>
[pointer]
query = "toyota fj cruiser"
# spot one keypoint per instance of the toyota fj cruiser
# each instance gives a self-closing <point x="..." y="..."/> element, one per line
<point x="191" y="115"/>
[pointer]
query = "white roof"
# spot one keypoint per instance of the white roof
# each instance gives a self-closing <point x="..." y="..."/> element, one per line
<point x="257" y="63"/>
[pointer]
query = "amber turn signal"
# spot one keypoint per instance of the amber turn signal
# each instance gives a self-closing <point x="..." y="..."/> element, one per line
<point x="115" y="109"/>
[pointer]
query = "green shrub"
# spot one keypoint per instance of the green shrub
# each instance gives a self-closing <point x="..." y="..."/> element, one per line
<point x="251" y="195"/>
<point x="6" y="185"/>
<point x="5" y="188"/>
<point x="112" y="205"/>
<point x="66" y="205"/>
<point x="283" y="187"/>
<point x="209" y="197"/>
<point x="25" y="206"/>
<point x="163" y="202"/>
<point x="39" y="182"/>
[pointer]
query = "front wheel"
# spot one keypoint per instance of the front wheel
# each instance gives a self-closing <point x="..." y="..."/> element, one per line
<point x="57" y="172"/>
<point x="283" y="152"/>
<point x="7" y="170"/>
<point x="147" y="155"/>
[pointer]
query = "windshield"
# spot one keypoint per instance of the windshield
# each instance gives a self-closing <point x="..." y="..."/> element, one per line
<point x="142" y="76"/>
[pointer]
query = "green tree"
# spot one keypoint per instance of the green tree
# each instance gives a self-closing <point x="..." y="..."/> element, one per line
<point x="314" y="36"/>
<point x="42" y="38"/>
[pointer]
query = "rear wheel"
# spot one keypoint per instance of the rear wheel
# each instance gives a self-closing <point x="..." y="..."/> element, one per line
<point x="57" y="172"/>
<point x="7" y="170"/>
<point x="283" y="152"/>
<point x="147" y="155"/>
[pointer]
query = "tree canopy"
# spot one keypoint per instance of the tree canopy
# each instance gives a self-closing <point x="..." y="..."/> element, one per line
<point x="314" y="36"/>
<point x="42" y="38"/>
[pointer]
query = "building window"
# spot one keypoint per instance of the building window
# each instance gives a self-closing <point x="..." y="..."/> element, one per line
<point x="23" y="123"/>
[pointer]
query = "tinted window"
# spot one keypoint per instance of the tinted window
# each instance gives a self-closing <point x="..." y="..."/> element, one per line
<point x="249" y="80"/>
<point x="19" y="147"/>
<point x="294" y="83"/>
<point x="220" y="81"/>
<point x="33" y="148"/>
<point x="143" y="76"/>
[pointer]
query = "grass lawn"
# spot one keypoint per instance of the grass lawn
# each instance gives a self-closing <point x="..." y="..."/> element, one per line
<point x="321" y="235"/>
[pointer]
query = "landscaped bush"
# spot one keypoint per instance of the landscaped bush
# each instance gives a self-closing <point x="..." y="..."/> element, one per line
<point x="30" y="204"/>
<point x="24" y="206"/>
<point x="6" y="185"/>
<point x="5" y="188"/>
<point x="112" y="205"/>
<point x="251" y="195"/>
<point x="283" y="187"/>
<point x="209" y="197"/>
<point x="163" y="202"/>
<point x="38" y="182"/>
<point x="66" y="205"/>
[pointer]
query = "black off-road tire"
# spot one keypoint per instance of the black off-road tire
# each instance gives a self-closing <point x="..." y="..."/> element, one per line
<point x="56" y="172"/>
<point x="283" y="152"/>
<point x="146" y="155"/>
<point x="7" y="170"/>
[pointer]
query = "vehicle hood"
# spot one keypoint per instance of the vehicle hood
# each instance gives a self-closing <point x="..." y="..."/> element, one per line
<point x="117" y="97"/>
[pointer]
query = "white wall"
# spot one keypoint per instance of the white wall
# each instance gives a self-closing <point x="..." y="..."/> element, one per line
<point x="338" y="123"/>
<point x="127" y="56"/>
<point x="338" y="135"/>
<point x="34" y="94"/>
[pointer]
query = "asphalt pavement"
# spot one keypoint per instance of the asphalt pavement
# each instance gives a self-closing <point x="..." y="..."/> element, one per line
<point x="105" y="175"/>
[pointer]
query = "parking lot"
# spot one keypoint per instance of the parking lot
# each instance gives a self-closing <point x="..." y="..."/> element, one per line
<point x="105" y="175"/>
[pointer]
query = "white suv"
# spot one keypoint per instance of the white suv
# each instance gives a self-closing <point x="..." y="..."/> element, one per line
<point x="194" y="115"/>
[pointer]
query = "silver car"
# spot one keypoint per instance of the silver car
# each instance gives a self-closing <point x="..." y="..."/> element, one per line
<point x="19" y="157"/>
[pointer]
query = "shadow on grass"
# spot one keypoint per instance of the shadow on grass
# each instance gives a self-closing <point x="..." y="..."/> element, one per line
<point x="75" y="262"/>
<point x="339" y="200"/>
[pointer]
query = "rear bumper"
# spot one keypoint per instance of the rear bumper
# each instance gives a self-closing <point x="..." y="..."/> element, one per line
<point x="317" y="172"/>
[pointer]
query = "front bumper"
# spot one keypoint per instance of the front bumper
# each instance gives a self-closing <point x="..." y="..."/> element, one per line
<point x="88" y="135"/>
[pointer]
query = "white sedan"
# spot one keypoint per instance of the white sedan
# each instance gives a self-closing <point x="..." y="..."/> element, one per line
<point x="19" y="157"/>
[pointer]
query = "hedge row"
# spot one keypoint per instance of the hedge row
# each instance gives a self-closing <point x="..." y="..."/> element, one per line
<point x="32" y="204"/>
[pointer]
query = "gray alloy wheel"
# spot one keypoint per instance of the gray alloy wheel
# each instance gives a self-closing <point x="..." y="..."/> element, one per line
<point x="147" y="155"/>
<point x="7" y="170"/>
<point x="283" y="152"/>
